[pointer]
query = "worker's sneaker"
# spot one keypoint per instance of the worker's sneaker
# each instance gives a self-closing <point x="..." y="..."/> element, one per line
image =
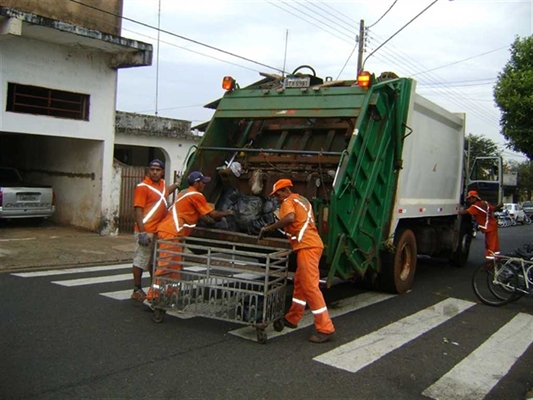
<point x="138" y="295"/>
<point x="319" y="337"/>
<point x="289" y="324"/>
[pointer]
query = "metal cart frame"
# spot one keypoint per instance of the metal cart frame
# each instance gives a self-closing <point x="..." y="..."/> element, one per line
<point x="234" y="282"/>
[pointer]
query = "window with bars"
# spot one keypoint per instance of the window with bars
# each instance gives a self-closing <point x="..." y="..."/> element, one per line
<point x="28" y="99"/>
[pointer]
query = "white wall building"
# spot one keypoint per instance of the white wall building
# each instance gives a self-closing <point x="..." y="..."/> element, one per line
<point x="57" y="110"/>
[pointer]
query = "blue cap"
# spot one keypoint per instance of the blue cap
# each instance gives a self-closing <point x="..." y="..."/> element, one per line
<point x="197" y="176"/>
<point x="157" y="163"/>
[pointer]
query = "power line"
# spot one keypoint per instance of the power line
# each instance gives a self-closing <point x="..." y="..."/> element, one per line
<point x="460" y="61"/>
<point x="178" y="36"/>
<point x="399" y="30"/>
<point x="386" y="12"/>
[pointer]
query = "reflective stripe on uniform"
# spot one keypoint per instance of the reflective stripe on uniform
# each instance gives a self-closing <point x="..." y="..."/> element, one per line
<point x="298" y="301"/>
<point x="175" y="213"/>
<point x="156" y="206"/>
<point x="320" y="310"/>
<point x="486" y="213"/>
<point x="306" y="224"/>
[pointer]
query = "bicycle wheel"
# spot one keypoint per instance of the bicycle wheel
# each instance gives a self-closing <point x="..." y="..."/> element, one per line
<point x="495" y="284"/>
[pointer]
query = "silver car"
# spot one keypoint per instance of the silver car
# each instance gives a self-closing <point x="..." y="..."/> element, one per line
<point x="517" y="213"/>
<point x="527" y="206"/>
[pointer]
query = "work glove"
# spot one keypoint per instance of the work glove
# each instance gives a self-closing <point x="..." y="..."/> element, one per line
<point x="144" y="239"/>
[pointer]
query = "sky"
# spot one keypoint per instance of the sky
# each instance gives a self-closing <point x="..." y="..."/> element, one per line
<point x="453" y="49"/>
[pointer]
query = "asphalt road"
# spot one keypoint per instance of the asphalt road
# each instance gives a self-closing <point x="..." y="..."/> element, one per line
<point x="59" y="341"/>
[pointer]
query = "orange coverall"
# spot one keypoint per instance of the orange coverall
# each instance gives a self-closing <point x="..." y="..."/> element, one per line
<point x="483" y="212"/>
<point x="180" y="221"/>
<point x="306" y="242"/>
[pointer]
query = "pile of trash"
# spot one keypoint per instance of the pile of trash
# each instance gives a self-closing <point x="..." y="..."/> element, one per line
<point x="250" y="213"/>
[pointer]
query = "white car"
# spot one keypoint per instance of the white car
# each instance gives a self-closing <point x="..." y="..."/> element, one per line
<point x="517" y="213"/>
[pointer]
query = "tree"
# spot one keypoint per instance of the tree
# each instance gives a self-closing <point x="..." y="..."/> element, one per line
<point x="480" y="146"/>
<point x="513" y="94"/>
<point x="525" y="180"/>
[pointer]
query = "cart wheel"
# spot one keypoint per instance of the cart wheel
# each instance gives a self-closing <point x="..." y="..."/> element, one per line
<point x="158" y="315"/>
<point x="261" y="336"/>
<point x="278" y="325"/>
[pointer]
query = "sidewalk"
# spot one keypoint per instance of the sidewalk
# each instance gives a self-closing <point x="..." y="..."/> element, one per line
<point x="27" y="247"/>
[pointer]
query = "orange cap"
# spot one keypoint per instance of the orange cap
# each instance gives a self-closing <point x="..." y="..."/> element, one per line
<point x="472" y="193"/>
<point x="282" y="183"/>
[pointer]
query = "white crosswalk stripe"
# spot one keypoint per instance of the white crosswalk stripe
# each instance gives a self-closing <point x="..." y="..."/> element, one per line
<point x="68" y="271"/>
<point x="475" y="376"/>
<point x="344" y="306"/>
<point x="363" y="351"/>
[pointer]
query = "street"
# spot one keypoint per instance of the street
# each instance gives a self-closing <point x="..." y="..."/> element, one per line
<point x="75" y="333"/>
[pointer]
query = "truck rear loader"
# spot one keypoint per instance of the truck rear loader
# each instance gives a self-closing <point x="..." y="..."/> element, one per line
<point x="382" y="166"/>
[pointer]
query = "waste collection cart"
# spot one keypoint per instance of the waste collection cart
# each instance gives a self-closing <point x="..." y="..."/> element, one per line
<point x="243" y="283"/>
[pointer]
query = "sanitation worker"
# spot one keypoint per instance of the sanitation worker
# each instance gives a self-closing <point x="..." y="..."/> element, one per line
<point x="182" y="217"/>
<point x="483" y="212"/>
<point x="296" y="218"/>
<point x="150" y="207"/>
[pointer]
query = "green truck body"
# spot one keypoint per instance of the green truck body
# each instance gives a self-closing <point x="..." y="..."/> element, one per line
<point x="382" y="166"/>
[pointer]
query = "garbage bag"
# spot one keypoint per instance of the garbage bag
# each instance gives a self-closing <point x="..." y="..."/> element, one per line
<point x="247" y="209"/>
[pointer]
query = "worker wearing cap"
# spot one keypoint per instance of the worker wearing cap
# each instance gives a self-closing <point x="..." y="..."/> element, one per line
<point x="150" y="207"/>
<point x="296" y="218"/>
<point x="483" y="212"/>
<point x="182" y="217"/>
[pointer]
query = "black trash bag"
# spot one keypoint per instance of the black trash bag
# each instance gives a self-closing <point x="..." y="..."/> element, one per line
<point x="253" y="309"/>
<point x="247" y="209"/>
<point x="227" y="224"/>
<point x="270" y="205"/>
<point x="228" y="199"/>
<point x="266" y="219"/>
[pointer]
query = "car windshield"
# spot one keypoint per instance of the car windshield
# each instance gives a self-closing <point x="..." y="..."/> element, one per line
<point x="508" y="207"/>
<point x="527" y="204"/>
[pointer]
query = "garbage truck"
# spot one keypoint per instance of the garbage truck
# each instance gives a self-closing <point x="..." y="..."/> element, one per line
<point x="382" y="165"/>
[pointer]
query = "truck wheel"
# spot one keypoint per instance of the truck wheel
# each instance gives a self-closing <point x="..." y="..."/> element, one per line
<point x="460" y="257"/>
<point x="398" y="268"/>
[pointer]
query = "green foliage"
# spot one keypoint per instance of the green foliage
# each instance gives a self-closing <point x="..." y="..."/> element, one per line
<point x="513" y="94"/>
<point x="525" y="180"/>
<point x="480" y="146"/>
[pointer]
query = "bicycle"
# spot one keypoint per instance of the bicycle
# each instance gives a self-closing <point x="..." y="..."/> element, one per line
<point x="504" y="280"/>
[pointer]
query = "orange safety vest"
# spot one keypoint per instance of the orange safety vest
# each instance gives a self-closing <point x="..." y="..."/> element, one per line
<point x="302" y="233"/>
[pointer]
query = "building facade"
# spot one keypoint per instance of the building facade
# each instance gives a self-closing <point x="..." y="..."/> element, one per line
<point x="58" y="79"/>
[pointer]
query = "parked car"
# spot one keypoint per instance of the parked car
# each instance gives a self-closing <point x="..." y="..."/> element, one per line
<point x="517" y="213"/>
<point x="527" y="206"/>
<point x="19" y="199"/>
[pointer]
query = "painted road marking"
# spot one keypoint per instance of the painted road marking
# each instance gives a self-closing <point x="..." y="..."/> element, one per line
<point x="478" y="373"/>
<point x="363" y="351"/>
<point x="71" y="271"/>
<point x="342" y="307"/>
<point x="94" y="280"/>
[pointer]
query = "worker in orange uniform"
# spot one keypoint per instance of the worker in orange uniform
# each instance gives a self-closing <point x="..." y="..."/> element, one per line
<point x="483" y="212"/>
<point x="296" y="218"/>
<point x="150" y="207"/>
<point x="182" y="217"/>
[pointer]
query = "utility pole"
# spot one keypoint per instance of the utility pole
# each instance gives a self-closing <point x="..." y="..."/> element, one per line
<point x="362" y="40"/>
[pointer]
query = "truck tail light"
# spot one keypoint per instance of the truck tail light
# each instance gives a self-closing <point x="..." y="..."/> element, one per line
<point x="363" y="79"/>
<point x="228" y="83"/>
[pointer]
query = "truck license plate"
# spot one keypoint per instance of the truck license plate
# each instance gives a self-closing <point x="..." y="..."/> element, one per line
<point x="297" y="82"/>
<point x="27" y="197"/>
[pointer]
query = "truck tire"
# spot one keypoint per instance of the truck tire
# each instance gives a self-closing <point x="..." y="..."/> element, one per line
<point x="460" y="257"/>
<point x="398" y="268"/>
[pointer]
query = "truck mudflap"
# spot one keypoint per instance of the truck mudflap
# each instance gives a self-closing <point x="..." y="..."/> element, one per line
<point x="366" y="182"/>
